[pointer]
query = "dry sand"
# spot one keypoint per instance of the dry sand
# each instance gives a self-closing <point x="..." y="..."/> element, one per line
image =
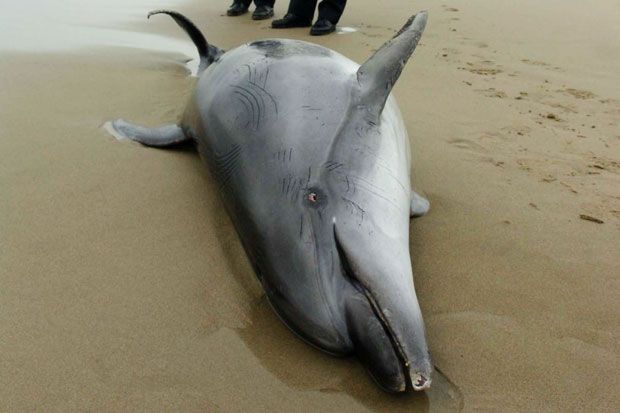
<point x="124" y="287"/>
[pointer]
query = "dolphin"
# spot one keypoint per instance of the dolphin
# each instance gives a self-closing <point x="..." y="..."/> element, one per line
<point x="312" y="160"/>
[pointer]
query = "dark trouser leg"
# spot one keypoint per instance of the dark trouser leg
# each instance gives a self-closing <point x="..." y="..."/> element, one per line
<point x="258" y="3"/>
<point x="302" y="8"/>
<point x="238" y="7"/>
<point x="331" y="10"/>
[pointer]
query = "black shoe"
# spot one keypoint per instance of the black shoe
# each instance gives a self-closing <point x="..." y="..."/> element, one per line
<point x="288" y="21"/>
<point x="237" y="9"/>
<point x="322" y="27"/>
<point x="262" y="13"/>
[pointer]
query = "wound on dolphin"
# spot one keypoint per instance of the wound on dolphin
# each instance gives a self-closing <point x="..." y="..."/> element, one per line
<point x="314" y="166"/>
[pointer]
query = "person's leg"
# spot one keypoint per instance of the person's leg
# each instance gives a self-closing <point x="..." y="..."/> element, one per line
<point x="299" y="14"/>
<point x="331" y="10"/>
<point x="303" y="9"/>
<point x="238" y="7"/>
<point x="264" y="9"/>
<point x="329" y="14"/>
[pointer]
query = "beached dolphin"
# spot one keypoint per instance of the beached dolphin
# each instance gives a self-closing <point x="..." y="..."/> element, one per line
<point x="313" y="162"/>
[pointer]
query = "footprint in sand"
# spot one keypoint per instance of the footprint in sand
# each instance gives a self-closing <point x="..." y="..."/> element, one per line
<point x="579" y="94"/>
<point x="468" y="145"/>
<point x="603" y="164"/>
<point x="542" y="64"/>
<point x="481" y="68"/>
<point x="562" y="106"/>
<point x="521" y="130"/>
<point x="492" y="93"/>
<point x="524" y="165"/>
<point x="450" y="50"/>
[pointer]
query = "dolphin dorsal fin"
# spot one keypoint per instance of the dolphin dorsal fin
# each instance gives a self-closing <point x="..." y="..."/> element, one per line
<point x="378" y="74"/>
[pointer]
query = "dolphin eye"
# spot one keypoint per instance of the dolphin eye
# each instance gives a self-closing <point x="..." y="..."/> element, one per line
<point x="315" y="198"/>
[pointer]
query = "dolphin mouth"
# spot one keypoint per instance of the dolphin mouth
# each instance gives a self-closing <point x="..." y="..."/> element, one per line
<point x="417" y="381"/>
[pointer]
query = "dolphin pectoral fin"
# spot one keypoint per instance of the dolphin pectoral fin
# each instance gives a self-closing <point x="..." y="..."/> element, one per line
<point x="372" y="344"/>
<point x="419" y="205"/>
<point x="167" y="135"/>
<point x="378" y="74"/>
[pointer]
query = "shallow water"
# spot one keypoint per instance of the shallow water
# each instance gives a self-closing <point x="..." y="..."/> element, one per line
<point x="57" y="25"/>
<point x="69" y="25"/>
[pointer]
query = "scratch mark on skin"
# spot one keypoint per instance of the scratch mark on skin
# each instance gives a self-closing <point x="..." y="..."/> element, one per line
<point x="295" y="190"/>
<point x="309" y="175"/>
<point x="290" y="154"/>
<point x="269" y="95"/>
<point x="348" y="183"/>
<point x="256" y="100"/>
<point x="288" y="187"/>
<point x="381" y="163"/>
<point x="367" y="182"/>
<point x="252" y="111"/>
<point x="281" y="155"/>
<point x="367" y="186"/>
<point x="332" y="166"/>
<point x="227" y="165"/>
<point x="301" y="187"/>
<point x="301" y="226"/>
<point x="357" y="207"/>
<point x="256" y="92"/>
<point x="262" y="100"/>
<point x="310" y="108"/>
<point x="246" y="106"/>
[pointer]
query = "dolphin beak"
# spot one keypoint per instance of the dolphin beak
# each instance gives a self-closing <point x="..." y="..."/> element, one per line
<point x="418" y="379"/>
<point x="377" y="342"/>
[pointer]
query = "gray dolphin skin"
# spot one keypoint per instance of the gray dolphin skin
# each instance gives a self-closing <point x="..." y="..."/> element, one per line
<point x="313" y="163"/>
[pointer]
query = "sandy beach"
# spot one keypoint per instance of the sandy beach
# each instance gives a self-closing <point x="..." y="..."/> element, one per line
<point x="124" y="287"/>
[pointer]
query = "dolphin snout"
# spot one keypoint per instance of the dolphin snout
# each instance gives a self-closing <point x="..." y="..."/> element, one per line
<point x="420" y="381"/>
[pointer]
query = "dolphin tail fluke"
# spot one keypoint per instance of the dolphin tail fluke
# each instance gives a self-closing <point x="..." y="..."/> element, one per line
<point x="378" y="74"/>
<point x="208" y="53"/>
<point x="167" y="135"/>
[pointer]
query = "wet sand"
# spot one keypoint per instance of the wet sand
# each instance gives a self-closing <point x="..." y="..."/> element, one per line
<point x="123" y="285"/>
